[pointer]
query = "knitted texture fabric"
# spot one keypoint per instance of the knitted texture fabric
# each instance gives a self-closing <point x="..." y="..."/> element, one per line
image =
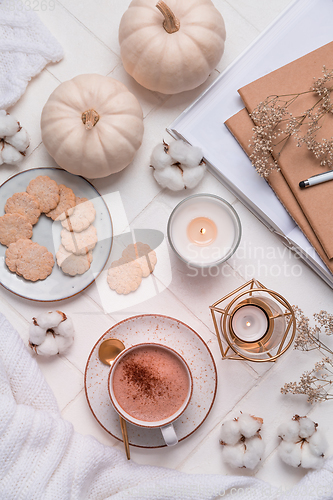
<point x="41" y="457"/>
<point x="26" y="46"/>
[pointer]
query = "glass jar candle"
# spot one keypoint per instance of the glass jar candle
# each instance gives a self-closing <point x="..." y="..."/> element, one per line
<point x="204" y="230"/>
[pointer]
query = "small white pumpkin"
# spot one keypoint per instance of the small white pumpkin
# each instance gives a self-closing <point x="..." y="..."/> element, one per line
<point x="171" y="48"/>
<point x="92" y="126"/>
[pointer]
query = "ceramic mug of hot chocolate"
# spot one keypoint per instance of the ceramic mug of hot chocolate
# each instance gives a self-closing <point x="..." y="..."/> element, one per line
<point x="150" y="385"/>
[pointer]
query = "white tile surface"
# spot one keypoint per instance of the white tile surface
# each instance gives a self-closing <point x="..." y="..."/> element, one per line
<point x="88" y="32"/>
<point x="261" y="13"/>
<point x="235" y="22"/>
<point x="84" y="53"/>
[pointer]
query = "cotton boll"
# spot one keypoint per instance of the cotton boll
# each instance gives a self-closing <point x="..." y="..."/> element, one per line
<point x="306" y="427"/>
<point x="10" y="155"/>
<point x="36" y="334"/>
<point x="179" y="168"/>
<point x="290" y="453"/>
<point x="254" y="452"/>
<point x="310" y="461"/>
<point x="234" y="455"/>
<point x="63" y="343"/>
<point x="49" y="319"/>
<point x="8" y="125"/>
<point x="179" y="151"/>
<point x="51" y="333"/>
<point x="289" y="431"/>
<point x="193" y="157"/>
<point x="256" y="445"/>
<point x="170" y="177"/>
<point x="248" y="425"/>
<point x="66" y="328"/>
<point x="230" y="432"/>
<point x="159" y="158"/>
<point x="48" y="347"/>
<point x="318" y="443"/>
<point x="20" y="140"/>
<point x="192" y="176"/>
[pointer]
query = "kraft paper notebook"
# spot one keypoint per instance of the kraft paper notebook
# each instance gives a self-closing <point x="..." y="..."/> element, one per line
<point x="305" y="25"/>
<point x="240" y="125"/>
<point x="297" y="163"/>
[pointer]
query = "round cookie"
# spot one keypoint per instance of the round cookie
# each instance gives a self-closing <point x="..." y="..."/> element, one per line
<point x="66" y="202"/>
<point x="79" y="243"/>
<point x="29" y="259"/>
<point x="24" y="204"/>
<point x="124" y="277"/>
<point x="73" y="264"/>
<point x="14" y="227"/>
<point x="78" y="200"/>
<point x="13" y="253"/>
<point x="143" y="255"/>
<point x="83" y="215"/>
<point x="46" y="191"/>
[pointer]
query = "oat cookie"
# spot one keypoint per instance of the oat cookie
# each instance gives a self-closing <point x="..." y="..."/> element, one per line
<point x="13" y="227"/>
<point x="83" y="215"/>
<point x="66" y="202"/>
<point x="29" y="259"/>
<point x="14" y="251"/>
<point x="78" y="200"/>
<point x="143" y="255"/>
<point x="124" y="277"/>
<point x="79" y="243"/>
<point x="73" y="264"/>
<point x="23" y="204"/>
<point x="46" y="191"/>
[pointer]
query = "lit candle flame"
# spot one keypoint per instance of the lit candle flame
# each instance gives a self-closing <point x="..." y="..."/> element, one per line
<point x="202" y="230"/>
<point x="248" y="323"/>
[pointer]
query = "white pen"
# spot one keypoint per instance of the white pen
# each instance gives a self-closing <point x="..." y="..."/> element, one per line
<point x="317" y="179"/>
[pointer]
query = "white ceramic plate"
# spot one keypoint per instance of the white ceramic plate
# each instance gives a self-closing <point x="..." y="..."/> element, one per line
<point x="58" y="285"/>
<point x="169" y="332"/>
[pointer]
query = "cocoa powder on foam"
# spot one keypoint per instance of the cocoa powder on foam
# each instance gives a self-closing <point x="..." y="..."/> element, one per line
<point x="147" y="380"/>
<point x="150" y="383"/>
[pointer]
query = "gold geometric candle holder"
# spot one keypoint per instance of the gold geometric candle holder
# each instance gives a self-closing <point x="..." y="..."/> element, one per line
<point x="253" y="323"/>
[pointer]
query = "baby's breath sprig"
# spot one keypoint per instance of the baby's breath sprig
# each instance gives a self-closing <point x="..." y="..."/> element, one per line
<point x="316" y="384"/>
<point x="275" y="125"/>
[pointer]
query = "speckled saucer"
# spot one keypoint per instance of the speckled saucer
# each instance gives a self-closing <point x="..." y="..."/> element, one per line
<point x="169" y="332"/>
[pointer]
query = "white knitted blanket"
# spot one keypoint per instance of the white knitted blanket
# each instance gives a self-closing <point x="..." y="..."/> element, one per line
<point x="26" y="46"/>
<point x="41" y="457"/>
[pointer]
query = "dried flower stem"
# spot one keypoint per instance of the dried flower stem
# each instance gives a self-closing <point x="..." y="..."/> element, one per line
<point x="275" y="125"/>
<point x="317" y="383"/>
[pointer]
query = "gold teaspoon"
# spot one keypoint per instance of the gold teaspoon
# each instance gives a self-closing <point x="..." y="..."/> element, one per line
<point x="107" y="352"/>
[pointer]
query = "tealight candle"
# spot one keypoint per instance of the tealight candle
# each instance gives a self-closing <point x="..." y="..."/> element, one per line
<point x="204" y="230"/>
<point x="249" y="323"/>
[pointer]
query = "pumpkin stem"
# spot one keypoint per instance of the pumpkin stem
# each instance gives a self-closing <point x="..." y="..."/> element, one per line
<point x="90" y="118"/>
<point x="171" y="24"/>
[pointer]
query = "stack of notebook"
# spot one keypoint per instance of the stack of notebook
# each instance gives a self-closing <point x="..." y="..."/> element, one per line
<point x="311" y="208"/>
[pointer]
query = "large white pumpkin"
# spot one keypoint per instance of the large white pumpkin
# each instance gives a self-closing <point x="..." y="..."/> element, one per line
<point x="92" y="125"/>
<point x="174" y="47"/>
